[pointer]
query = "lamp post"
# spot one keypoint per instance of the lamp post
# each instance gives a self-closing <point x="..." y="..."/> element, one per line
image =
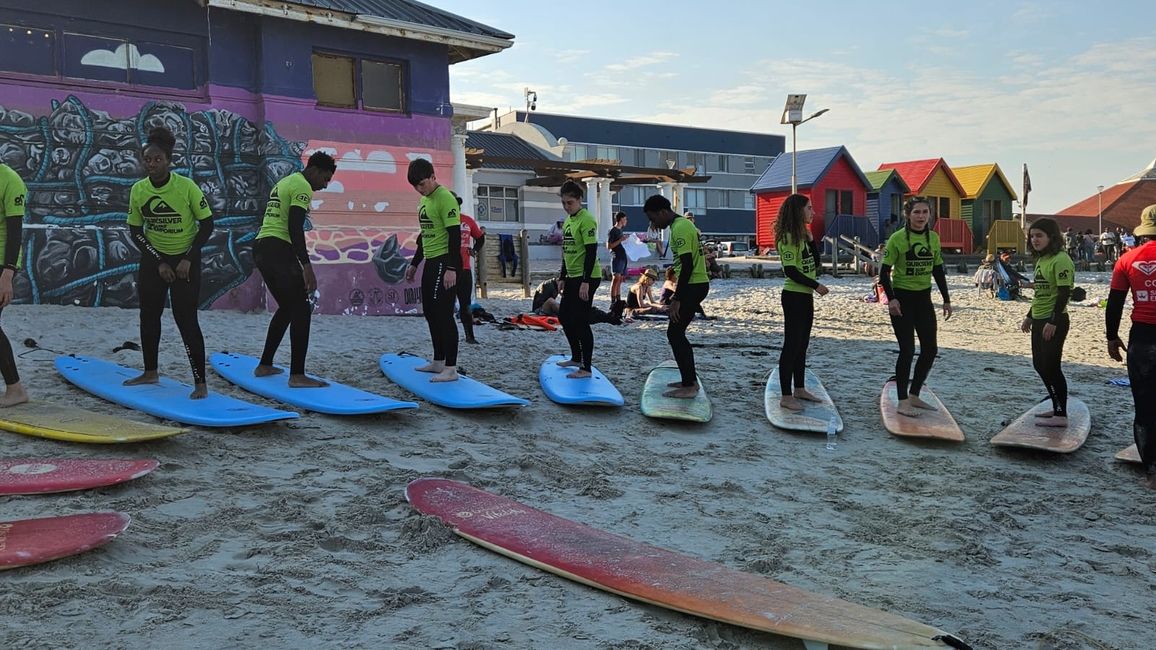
<point x="1100" y="209"/>
<point x="793" y="115"/>
<point x="531" y="101"/>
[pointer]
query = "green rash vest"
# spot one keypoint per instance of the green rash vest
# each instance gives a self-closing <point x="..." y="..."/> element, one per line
<point x="799" y="256"/>
<point x="293" y="191"/>
<point x="437" y="212"/>
<point x="169" y="214"/>
<point x="683" y="240"/>
<point x="578" y="231"/>
<point x="911" y="256"/>
<point x="1052" y="272"/>
<point x="13" y="195"/>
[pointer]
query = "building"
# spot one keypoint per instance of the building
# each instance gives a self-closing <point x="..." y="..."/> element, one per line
<point x="250" y="88"/>
<point x="934" y="180"/>
<point x="502" y="200"/>
<point x="830" y="177"/>
<point x="885" y="200"/>
<point x="1118" y="204"/>
<point x="987" y="197"/>
<point x="733" y="160"/>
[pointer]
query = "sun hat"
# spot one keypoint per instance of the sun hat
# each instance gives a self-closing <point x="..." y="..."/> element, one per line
<point x="1147" y="227"/>
<point x="651" y="273"/>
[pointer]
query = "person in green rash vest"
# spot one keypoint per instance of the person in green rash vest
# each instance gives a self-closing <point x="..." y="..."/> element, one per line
<point x="440" y="245"/>
<point x="170" y="220"/>
<point x="578" y="279"/>
<point x="911" y="259"/>
<point x="283" y="261"/>
<point x="799" y="255"/>
<point x="13" y="199"/>
<point x="693" y="285"/>
<point x="1047" y="319"/>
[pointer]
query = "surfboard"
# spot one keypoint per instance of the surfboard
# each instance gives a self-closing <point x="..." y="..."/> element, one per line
<point x="936" y="424"/>
<point x="45" y="475"/>
<point x="71" y="424"/>
<point x="169" y="399"/>
<point x="32" y="541"/>
<point x="658" y="576"/>
<point x="334" y="399"/>
<point x="655" y="405"/>
<point x="595" y="390"/>
<point x="465" y="393"/>
<point x="1025" y="432"/>
<point x="1130" y="454"/>
<point x="815" y="417"/>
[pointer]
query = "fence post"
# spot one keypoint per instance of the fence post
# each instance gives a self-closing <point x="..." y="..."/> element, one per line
<point x="524" y="250"/>
<point x="480" y="267"/>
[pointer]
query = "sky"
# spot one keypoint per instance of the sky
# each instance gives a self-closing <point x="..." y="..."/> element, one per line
<point x="1066" y="87"/>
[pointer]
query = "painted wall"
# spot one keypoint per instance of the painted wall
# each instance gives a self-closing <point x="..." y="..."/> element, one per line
<point x="941" y="186"/>
<point x="884" y="200"/>
<point x="972" y="210"/>
<point x="250" y="120"/>
<point x="841" y="176"/>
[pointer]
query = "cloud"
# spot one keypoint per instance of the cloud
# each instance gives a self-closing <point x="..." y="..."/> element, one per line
<point x="654" y="58"/>
<point x="124" y="57"/>
<point x="377" y="161"/>
<point x="570" y="56"/>
<point x="335" y="187"/>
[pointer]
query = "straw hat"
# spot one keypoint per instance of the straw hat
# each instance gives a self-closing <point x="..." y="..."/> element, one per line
<point x="1147" y="227"/>
<point x="651" y="273"/>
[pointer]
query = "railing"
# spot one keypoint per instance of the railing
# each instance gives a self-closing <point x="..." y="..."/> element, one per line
<point x="954" y="234"/>
<point x="1006" y="234"/>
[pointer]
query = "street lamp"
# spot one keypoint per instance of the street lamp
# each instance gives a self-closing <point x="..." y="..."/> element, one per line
<point x="1100" y="202"/>
<point x="531" y="101"/>
<point x="793" y="115"/>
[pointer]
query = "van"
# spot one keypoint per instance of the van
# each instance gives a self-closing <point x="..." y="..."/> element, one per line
<point x="733" y="249"/>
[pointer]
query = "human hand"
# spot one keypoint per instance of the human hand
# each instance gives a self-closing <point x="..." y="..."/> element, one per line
<point x="450" y="279"/>
<point x="166" y="272"/>
<point x="893" y="308"/>
<point x="311" y="279"/>
<point x="410" y="271"/>
<point x="6" y="287"/>
<point x="1026" y="325"/>
<point x="947" y="311"/>
<point x="821" y="289"/>
<point x="1049" y="331"/>
<point x="1114" y="347"/>
<point x="183" y="268"/>
<point x="584" y="291"/>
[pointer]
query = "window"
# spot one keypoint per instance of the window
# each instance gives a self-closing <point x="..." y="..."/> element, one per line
<point x="497" y="203"/>
<point x="607" y="153"/>
<point x="748" y="201"/>
<point x="846" y="202"/>
<point x="626" y="156"/>
<point x="992" y="209"/>
<point x="28" y="50"/>
<point x="738" y="199"/>
<point x="350" y="82"/>
<point x="716" y="164"/>
<point x="838" y="202"/>
<point x="749" y="165"/>
<point x="896" y="205"/>
<point x="695" y="199"/>
<point x="944" y="207"/>
<point x="651" y="159"/>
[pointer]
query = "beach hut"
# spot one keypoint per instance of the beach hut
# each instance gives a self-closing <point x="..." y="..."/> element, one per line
<point x="933" y="179"/>
<point x="830" y="177"/>
<point x="987" y="197"/>
<point x="885" y="199"/>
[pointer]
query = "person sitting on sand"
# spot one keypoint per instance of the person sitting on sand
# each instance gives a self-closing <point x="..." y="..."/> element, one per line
<point x="640" y="300"/>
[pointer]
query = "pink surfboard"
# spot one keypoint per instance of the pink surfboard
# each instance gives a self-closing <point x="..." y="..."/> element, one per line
<point x="660" y="577"/>
<point x="32" y="541"/>
<point x="45" y="475"/>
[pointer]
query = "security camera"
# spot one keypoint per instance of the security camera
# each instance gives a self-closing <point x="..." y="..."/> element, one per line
<point x="533" y="106"/>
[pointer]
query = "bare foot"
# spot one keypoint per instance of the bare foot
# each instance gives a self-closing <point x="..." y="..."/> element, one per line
<point x="200" y="391"/>
<point x="803" y="393"/>
<point x="1149" y="482"/>
<point x="791" y="403"/>
<point x="906" y="408"/>
<point x="682" y="392"/>
<point x="675" y="384"/>
<point x="146" y="377"/>
<point x="471" y="340"/>
<point x="579" y="374"/>
<point x="264" y="371"/>
<point x="305" y="381"/>
<point x="432" y="366"/>
<point x="569" y="363"/>
<point x="920" y="404"/>
<point x="448" y="373"/>
<point x="1045" y="414"/>
<point x="14" y="395"/>
<point x="1054" y="421"/>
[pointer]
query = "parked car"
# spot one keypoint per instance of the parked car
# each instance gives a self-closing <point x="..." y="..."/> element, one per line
<point x="733" y="249"/>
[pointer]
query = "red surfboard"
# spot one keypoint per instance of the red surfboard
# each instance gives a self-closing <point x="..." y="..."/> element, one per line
<point x="32" y="541"/>
<point x="661" y="577"/>
<point x="45" y="475"/>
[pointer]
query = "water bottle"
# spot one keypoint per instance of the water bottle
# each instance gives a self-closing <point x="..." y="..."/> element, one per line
<point x="832" y="434"/>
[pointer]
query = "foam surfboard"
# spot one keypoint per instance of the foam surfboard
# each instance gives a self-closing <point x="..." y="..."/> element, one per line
<point x="1027" y="433"/>
<point x="334" y="399"/>
<point x="71" y="424"/>
<point x="814" y="417"/>
<point x="168" y="399"/>
<point x="46" y="475"/>
<point x="936" y="424"/>
<point x="595" y="390"/>
<point x="465" y="393"/>
<point x="656" y="405"/>
<point x="33" y="541"/>
<point x="661" y="577"/>
<point x="1130" y="454"/>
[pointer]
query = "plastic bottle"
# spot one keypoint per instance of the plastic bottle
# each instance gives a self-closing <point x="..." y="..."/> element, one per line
<point x="832" y="434"/>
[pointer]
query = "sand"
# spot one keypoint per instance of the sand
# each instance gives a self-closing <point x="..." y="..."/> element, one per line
<point x="297" y="535"/>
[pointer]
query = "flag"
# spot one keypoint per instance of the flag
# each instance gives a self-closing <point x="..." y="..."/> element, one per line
<point x="1027" y="187"/>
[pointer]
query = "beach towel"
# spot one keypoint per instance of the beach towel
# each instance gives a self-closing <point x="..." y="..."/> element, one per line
<point x="635" y="248"/>
<point x="1120" y="381"/>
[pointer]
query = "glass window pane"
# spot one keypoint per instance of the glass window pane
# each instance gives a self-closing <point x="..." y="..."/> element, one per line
<point x="156" y="64"/>
<point x="511" y="192"/>
<point x="846" y="203"/>
<point x="830" y="203"/>
<point x="749" y="201"/>
<point x="627" y="157"/>
<point x="381" y="86"/>
<point x="483" y="190"/>
<point x="333" y="80"/>
<point x="945" y="207"/>
<point x="27" y="50"/>
<point x="511" y="208"/>
<point x="651" y="159"/>
<point x="94" y="57"/>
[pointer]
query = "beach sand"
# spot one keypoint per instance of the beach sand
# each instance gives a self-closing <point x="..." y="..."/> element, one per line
<point x="297" y="535"/>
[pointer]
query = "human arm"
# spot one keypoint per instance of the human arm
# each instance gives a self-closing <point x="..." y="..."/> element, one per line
<point x="940" y="275"/>
<point x="1112" y="315"/>
<point x="14" y="228"/>
<point x="418" y="256"/>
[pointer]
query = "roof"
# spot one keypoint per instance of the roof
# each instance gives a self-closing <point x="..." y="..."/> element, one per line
<point x="505" y="145"/>
<point x="1091" y="206"/>
<point x="974" y="178"/>
<point x="811" y="166"/>
<point x="1146" y="174"/>
<point x="917" y="173"/>
<point x="408" y="11"/>
<point x="877" y="179"/>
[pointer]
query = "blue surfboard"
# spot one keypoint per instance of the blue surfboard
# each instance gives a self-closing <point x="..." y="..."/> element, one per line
<point x="169" y="399"/>
<point x="465" y="393"/>
<point x="595" y="390"/>
<point x="334" y="399"/>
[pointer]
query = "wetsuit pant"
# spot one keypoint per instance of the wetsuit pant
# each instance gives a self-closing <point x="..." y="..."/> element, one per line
<point x="575" y="318"/>
<point x="7" y="360"/>
<point x="689" y="302"/>
<point x="918" y="319"/>
<point x="798" y="317"/>
<point x="283" y="276"/>
<point x="1046" y="357"/>
<point x="184" y="297"/>
<point x="438" y="304"/>
<point x="465" y="293"/>
<point x="1142" y="377"/>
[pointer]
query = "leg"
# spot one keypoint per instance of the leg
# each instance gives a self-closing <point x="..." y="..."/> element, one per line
<point x="788" y="355"/>
<point x="151" y="292"/>
<point x="266" y="255"/>
<point x="567" y="316"/>
<point x="1142" y="376"/>
<point x="186" y="296"/>
<point x="443" y="323"/>
<point x="465" y="295"/>
<point x="429" y="280"/>
<point x="808" y="321"/>
<point x="585" y="332"/>
<point x="680" y="345"/>
<point x="904" y="328"/>
<point x="15" y="393"/>
<point x="925" y="327"/>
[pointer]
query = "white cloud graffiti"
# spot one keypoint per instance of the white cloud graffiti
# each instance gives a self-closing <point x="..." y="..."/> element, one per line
<point x="125" y="56"/>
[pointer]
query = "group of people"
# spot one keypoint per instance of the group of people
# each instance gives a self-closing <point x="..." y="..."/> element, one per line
<point x="1086" y="246"/>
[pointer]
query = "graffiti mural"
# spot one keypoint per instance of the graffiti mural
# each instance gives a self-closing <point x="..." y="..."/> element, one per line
<point x="80" y="164"/>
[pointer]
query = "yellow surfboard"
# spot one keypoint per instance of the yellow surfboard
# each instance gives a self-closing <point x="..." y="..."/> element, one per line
<point x="59" y="422"/>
